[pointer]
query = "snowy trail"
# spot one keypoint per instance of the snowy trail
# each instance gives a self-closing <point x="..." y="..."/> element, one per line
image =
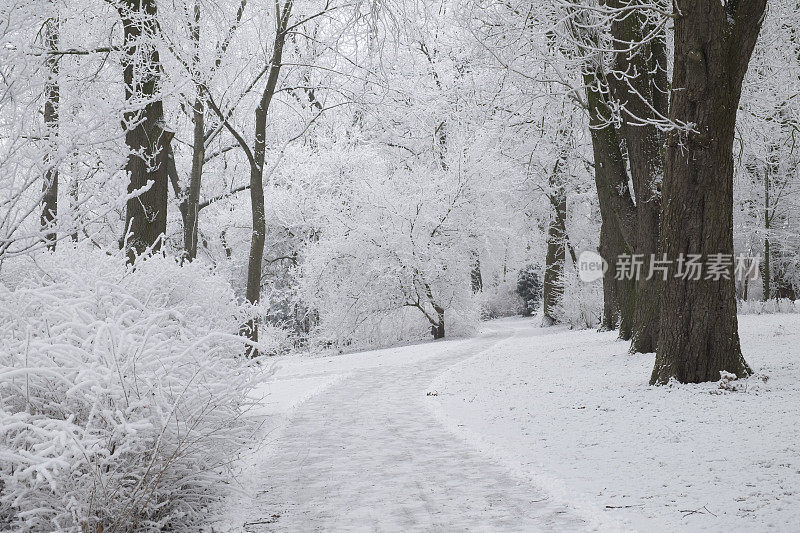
<point x="366" y="454"/>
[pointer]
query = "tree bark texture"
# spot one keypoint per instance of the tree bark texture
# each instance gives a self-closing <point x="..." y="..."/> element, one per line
<point x="699" y="330"/>
<point x="192" y="207"/>
<point x="553" y="288"/>
<point x="617" y="211"/>
<point x="145" y="132"/>
<point x="258" y="212"/>
<point x="639" y="85"/>
<point x="51" y="108"/>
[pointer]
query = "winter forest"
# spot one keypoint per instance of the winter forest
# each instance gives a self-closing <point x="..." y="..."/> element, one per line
<point x="452" y="265"/>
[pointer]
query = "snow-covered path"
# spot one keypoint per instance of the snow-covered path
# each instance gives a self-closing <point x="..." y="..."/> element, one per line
<point x="366" y="454"/>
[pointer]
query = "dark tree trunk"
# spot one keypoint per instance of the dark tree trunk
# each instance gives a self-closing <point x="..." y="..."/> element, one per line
<point x="74" y="204"/>
<point x="437" y="329"/>
<point x="699" y="331"/>
<point x="627" y="307"/>
<point x="145" y="133"/>
<point x="553" y="287"/>
<point x="192" y="207"/>
<point x="51" y="105"/>
<point x="476" y="279"/>
<point x="766" y="274"/>
<point x="256" y="257"/>
<point x="639" y="85"/>
<point x="617" y="211"/>
<point x="610" y="317"/>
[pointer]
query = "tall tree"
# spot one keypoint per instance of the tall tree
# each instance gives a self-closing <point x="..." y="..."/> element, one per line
<point x="698" y="324"/>
<point x="587" y="32"/>
<point x="190" y="204"/>
<point x="553" y="286"/>
<point x="191" y="207"/>
<point x="617" y="212"/>
<point x="638" y="83"/>
<point x="146" y="135"/>
<point x="256" y="157"/>
<point x="51" y="104"/>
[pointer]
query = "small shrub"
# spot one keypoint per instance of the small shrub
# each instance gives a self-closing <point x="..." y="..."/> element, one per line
<point x="502" y="299"/>
<point x="529" y="288"/>
<point x="581" y="304"/>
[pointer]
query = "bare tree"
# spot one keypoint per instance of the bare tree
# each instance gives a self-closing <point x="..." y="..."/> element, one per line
<point x="256" y="155"/>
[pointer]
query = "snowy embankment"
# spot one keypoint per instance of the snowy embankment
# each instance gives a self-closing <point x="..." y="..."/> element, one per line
<point x="573" y="412"/>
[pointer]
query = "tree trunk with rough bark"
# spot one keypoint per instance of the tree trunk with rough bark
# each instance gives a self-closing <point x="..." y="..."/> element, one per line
<point x="617" y="211"/>
<point x="437" y="329"/>
<point x="553" y="287"/>
<point x="610" y="316"/>
<point x="766" y="274"/>
<point x="699" y="330"/>
<point x="639" y="85"/>
<point x="145" y="132"/>
<point x="51" y="108"/>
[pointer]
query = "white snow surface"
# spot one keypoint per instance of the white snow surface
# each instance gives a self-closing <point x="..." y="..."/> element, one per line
<point x="524" y="429"/>
<point x="574" y="412"/>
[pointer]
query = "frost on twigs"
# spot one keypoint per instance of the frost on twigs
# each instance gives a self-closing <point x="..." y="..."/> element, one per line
<point x="122" y="393"/>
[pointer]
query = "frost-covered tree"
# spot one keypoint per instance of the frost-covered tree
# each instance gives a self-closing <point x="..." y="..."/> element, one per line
<point x="713" y="44"/>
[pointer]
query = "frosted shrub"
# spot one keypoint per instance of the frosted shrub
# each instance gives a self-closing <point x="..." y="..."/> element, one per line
<point x="121" y="394"/>
<point x="581" y="304"/>
<point x="501" y="300"/>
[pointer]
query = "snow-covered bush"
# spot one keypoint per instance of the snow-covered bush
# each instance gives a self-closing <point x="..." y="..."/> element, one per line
<point x="502" y="299"/>
<point x="529" y="289"/>
<point x="581" y="304"/>
<point x="760" y="307"/>
<point x="121" y="392"/>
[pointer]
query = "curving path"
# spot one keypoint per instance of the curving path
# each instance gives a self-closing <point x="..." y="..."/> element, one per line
<point x="365" y="454"/>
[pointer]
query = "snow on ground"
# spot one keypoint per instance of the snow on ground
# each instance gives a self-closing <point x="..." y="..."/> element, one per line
<point x="573" y="412"/>
<point x="349" y="445"/>
<point x="524" y="429"/>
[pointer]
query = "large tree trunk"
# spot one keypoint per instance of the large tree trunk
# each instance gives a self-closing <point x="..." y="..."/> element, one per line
<point x="627" y="307"/>
<point x="145" y="135"/>
<point x="639" y="84"/>
<point x="617" y="211"/>
<point x="51" y="101"/>
<point x="553" y="287"/>
<point x="192" y="206"/>
<point x="699" y="331"/>
<point x="437" y="329"/>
